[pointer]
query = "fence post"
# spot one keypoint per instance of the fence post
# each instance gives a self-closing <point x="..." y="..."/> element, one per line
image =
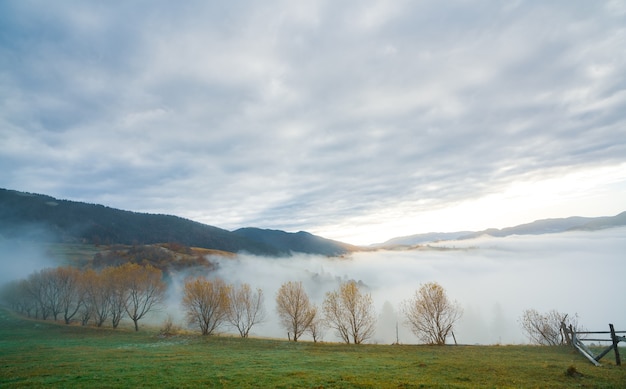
<point x="615" y="341"/>
<point x="566" y="333"/>
<point x="573" y="334"/>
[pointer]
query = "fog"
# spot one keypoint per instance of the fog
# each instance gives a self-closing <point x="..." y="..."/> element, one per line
<point x="20" y="258"/>
<point x="493" y="279"/>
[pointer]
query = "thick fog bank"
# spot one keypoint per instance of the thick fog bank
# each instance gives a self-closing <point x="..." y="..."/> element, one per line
<point x="20" y="258"/>
<point x="493" y="279"/>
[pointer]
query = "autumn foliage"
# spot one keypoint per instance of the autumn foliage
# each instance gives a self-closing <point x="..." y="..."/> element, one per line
<point x="350" y="312"/>
<point x="210" y="303"/>
<point x="206" y="303"/>
<point x="294" y="309"/>
<point x="430" y="314"/>
<point x="87" y="295"/>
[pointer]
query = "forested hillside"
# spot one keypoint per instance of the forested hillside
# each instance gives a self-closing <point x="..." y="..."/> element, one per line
<point x="46" y="219"/>
<point x="301" y="242"/>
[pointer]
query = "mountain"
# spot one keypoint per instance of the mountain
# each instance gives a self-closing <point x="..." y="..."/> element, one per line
<point x="412" y="240"/>
<point x="549" y="226"/>
<point x="43" y="218"/>
<point x="538" y="227"/>
<point x="302" y="242"/>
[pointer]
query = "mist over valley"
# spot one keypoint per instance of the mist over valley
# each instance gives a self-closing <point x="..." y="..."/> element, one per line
<point x="493" y="279"/>
<point x="493" y="275"/>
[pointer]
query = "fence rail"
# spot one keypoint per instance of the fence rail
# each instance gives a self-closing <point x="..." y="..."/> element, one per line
<point x="574" y="340"/>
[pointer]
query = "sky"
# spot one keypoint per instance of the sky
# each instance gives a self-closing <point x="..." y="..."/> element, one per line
<point x="356" y="120"/>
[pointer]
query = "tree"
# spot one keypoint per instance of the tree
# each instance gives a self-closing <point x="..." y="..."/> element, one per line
<point x="144" y="290"/>
<point x="545" y="329"/>
<point x="316" y="326"/>
<point x="89" y="281"/>
<point x="98" y="295"/>
<point x="68" y="281"/>
<point x="113" y="279"/>
<point x="35" y="289"/>
<point x="45" y="288"/>
<point x="350" y="313"/>
<point x="206" y="303"/>
<point x="294" y="309"/>
<point x="17" y="295"/>
<point x="430" y="314"/>
<point x="246" y="308"/>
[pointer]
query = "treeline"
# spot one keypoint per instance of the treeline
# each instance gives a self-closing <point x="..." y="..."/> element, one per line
<point x="132" y="290"/>
<point x="90" y="296"/>
<point x="348" y="310"/>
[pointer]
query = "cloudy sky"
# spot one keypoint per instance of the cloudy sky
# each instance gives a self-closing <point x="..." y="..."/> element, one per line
<point x="355" y="120"/>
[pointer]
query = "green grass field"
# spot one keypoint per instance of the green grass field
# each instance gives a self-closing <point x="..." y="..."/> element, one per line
<point x="46" y="354"/>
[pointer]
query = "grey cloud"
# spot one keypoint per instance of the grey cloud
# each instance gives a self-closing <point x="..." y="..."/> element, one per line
<point x="305" y="115"/>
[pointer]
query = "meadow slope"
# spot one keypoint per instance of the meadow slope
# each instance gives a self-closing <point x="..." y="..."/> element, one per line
<point x="46" y="354"/>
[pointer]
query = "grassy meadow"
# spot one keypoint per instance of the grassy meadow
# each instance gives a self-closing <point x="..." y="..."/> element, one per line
<point x="46" y="354"/>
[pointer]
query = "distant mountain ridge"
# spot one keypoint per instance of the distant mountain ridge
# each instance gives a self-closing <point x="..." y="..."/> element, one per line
<point x="550" y="226"/>
<point x="45" y="218"/>
<point x="538" y="227"/>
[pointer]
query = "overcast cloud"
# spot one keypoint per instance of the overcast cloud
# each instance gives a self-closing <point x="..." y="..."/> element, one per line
<point x="356" y="120"/>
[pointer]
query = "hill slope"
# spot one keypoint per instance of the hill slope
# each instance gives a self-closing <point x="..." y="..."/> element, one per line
<point x="44" y="218"/>
<point x="302" y="242"/>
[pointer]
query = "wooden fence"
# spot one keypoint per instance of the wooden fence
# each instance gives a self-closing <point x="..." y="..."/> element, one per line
<point x="572" y="337"/>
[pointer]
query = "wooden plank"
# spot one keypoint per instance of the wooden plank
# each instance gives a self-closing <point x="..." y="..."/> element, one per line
<point x="603" y="353"/>
<point x="593" y="332"/>
<point x="599" y="332"/>
<point x="585" y="354"/>
<point x="595" y="340"/>
<point x="618" y="361"/>
<point x="566" y="332"/>
<point x="581" y="348"/>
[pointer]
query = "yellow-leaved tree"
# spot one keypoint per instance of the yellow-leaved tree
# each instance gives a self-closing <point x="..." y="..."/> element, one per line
<point x="206" y="303"/>
<point x="144" y="290"/>
<point x="350" y="312"/>
<point x="430" y="314"/>
<point x="294" y="309"/>
<point x="245" y="309"/>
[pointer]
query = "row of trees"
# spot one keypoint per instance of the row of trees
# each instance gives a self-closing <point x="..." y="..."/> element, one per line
<point x="91" y="296"/>
<point x="429" y="313"/>
<point x="210" y="303"/>
<point x="132" y="290"/>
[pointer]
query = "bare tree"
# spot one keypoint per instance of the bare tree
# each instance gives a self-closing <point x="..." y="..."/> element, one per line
<point x="36" y="287"/>
<point x="316" y="326"/>
<point x="294" y="309"/>
<point x="43" y="288"/>
<point x="17" y="295"/>
<point x="145" y="290"/>
<point x="246" y="308"/>
<point x="545" y="329"/>
<point x="68" y="281"/>
<point x="350" y="313"/>
<point x="206" y="303"/>
<point x="430" y="314"/>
